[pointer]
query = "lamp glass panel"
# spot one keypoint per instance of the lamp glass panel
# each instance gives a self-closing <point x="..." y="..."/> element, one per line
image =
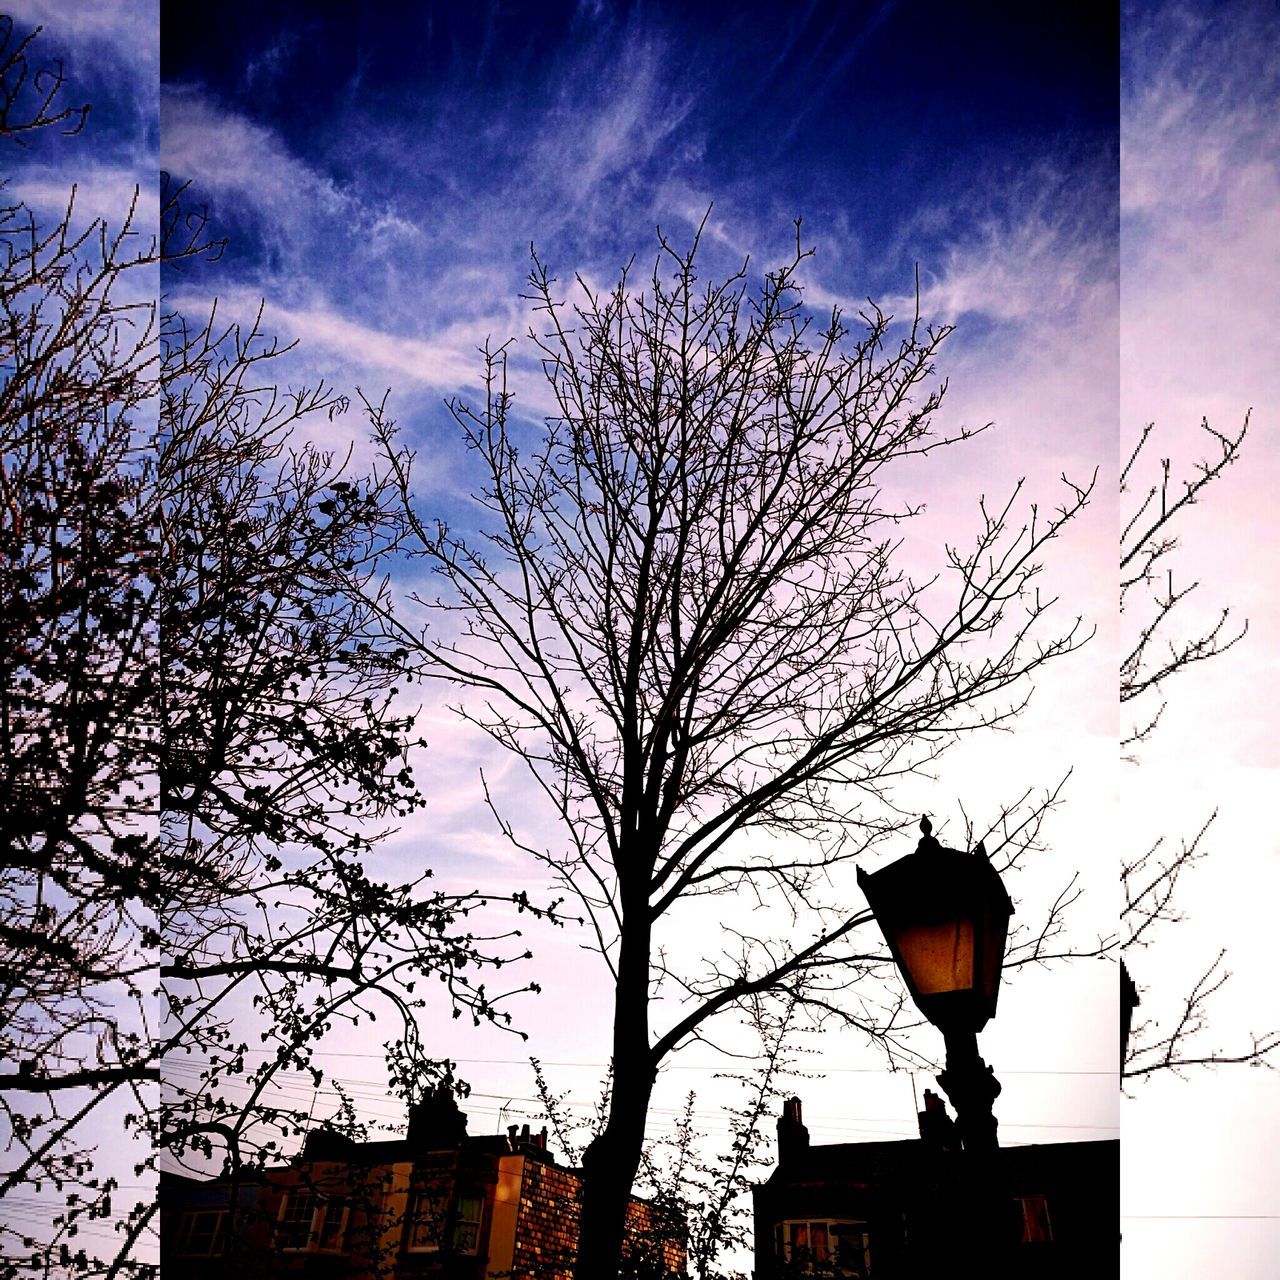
<point x="939" y="957"/>
<point x="992" y="956"/>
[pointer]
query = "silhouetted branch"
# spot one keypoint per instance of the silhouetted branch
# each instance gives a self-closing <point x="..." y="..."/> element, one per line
<point x="28" y="101"/>
<point x="1150" y="881"/>
<point x="687" y="614"/>
<point x="1146" y="581"/>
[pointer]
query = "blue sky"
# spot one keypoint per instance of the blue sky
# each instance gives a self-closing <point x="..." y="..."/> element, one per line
<point x="392" y="170"/>
<point x="890" y="128"/>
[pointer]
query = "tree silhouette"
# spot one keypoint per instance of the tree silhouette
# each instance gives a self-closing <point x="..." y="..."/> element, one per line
<point x="688" y="616"/>
<point x="174" y="581"/>
<point x="284" y="757"/>
<point x="1157" y="652"/>
<point x="79" y="721"/>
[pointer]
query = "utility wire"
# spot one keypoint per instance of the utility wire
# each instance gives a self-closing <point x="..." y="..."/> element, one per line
<point x="679" y="1066"/>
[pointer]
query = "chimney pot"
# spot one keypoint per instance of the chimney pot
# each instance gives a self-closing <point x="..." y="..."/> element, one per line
<point x="793" y="1137"/>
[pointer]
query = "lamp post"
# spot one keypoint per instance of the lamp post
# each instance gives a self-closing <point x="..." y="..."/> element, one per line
<point x="945" y="916"/>
<point x="1128" y="1003"/>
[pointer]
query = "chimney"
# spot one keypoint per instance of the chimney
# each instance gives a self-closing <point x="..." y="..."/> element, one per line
<point x="793" y="1137"/>
<point x="937" y="1129"/>
<point x="521" y="1137"/>
<point x="437" y="1121"/>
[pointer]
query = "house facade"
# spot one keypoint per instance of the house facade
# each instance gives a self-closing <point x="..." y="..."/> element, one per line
<point x="902" y="1209"/>
<point x="438" y="1204"/>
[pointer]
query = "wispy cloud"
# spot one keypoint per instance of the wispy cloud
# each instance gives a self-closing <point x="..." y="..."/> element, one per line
<point x="101" y="191"/>
<point x="127" y="26"/>
<point x="1201" y="203"/>
<point x="1199" y="118"/>
<point x="235" y="161"/>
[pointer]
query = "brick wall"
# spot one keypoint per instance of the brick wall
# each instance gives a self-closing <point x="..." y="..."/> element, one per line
<point x="547" y="1226"/>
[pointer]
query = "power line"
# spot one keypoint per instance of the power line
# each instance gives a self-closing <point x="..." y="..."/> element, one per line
<point x="1179" y="1217"/>
<point x="679" y="1066"/>
<point x="366" y="1091"/>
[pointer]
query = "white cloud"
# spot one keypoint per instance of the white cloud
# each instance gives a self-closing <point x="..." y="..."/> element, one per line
<point x="101" y="191"/>
<point x="129" y="25"/>
<point x="229" y="155"/>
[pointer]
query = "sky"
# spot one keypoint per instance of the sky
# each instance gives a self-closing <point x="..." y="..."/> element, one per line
<point x="381" y="176"/>
<point x="381" y="180"/>
<point x="1200" y="266"/>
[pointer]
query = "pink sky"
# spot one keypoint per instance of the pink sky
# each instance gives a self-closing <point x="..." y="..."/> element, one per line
<point x="1200" y="182"/>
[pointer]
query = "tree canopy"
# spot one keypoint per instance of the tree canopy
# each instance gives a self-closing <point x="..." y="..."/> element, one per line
<point x="687" y="613"/>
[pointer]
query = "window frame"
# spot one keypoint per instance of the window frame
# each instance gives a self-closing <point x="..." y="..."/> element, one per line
<point x="322" y="1207"/>
<point x="460" y="1224"/>
<point x="784" y="1242"/>
<point x="217" y="1241"/>
<point x="438" y="1206"/>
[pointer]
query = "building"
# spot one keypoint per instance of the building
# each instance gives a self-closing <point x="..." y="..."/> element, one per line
<point x="901" y="1209"/>
<point x="437" y="1204"/>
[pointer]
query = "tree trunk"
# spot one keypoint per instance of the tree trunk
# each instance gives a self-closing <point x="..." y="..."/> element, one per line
<point x="610" y="1162"/>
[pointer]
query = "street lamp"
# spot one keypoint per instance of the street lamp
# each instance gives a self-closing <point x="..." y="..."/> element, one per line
<point x="1128" y="1003"/>
<point x="945" y="916"/>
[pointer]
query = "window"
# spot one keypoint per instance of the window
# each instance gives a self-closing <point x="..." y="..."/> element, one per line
<point x="1036" y="1228"/>
<point x="425" y="1225"/>
<point x="835" y="1245"/>
<point x="466" y="1231"/>
<point x="313" y="1222"/>
<point x="200" y="1233"/>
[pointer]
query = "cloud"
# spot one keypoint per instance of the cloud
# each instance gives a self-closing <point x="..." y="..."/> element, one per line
<point x="334" y="345"/>
<point x="229" y="157"/>
<point x="1201" y="201"/>
<point x="101" y="191"/>
<point x="1199" y="108"/>
<point x="127" y="26"/>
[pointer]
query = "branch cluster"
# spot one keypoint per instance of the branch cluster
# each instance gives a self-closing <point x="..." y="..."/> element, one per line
<point x="201" y="738"/>
<point x="1150" y="600"/>
<point x="686" y="611"/>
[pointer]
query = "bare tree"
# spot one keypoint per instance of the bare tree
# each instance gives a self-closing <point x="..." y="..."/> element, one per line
<point x="687" y="615"/>
<point x="78" y="717"/>
<point x="284" y="759"/>
<point x="209" y="534"/>
<point x="1150" y="600"/>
